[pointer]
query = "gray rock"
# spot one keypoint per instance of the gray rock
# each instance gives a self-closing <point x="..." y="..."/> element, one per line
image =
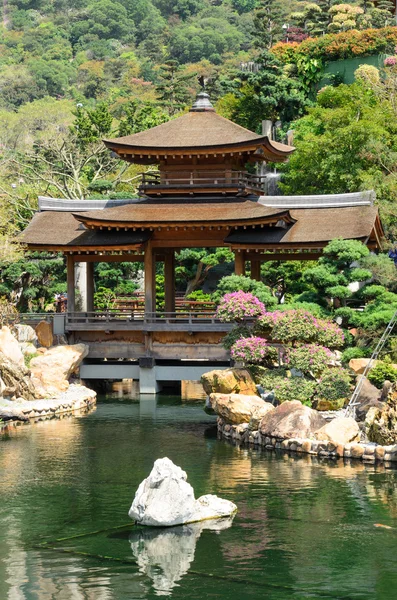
<point x="369" y="396"/>
<point x="292" y="420"/>
<point x="25" y="334"/>
<point x="165" y="499"/>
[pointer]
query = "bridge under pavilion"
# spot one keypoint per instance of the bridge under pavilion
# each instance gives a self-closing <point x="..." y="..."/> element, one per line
<point x="204" y="195"/>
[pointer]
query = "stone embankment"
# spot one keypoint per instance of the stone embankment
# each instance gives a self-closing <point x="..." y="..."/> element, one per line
<point x="371" y="452"/>
<point x="76" y="398"/>
<point x="294" y="427"/>
<point x="34" y="376"/>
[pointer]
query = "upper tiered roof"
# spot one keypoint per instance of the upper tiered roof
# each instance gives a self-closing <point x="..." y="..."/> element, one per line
<point x="197" y="132"/>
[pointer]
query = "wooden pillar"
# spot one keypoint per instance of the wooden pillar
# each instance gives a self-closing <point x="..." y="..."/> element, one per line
<point x="169" y="281"/>
<point x="150" y="274"/>
<point x="70" y="283"/>
<point x="256" y="269"/>
<point x="90" y="286"/>
<point x="239" y="262"/>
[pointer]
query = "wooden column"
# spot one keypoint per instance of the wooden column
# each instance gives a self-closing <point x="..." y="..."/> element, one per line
<point x="90" y="286"/>
<point x="239" y="263"/>
<point x="150" y="271"/>
<point x="70" y="283"/>
<point x="169" y="277"/>
<point x="256" y="269"/>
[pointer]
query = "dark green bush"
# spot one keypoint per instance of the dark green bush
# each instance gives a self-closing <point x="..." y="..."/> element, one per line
<point x="381" y="372"/>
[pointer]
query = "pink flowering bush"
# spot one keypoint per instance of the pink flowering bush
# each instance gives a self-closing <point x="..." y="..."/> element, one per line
<point x="252" y="350"/>
<point x="390" y="61"/>
<point x="309" y="358"/>
<point x="298" y="325"/>
<point x="239" y="306"/>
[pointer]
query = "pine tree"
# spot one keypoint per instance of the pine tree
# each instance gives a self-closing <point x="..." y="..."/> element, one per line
<point x="268" y="22"/>
<point x="173" y="88"/>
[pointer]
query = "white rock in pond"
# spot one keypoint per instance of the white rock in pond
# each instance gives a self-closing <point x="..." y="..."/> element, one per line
<point x="165" y="498"/>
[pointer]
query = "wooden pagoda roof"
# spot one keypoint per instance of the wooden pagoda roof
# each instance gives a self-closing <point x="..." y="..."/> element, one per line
<point x="239" y="225"/>
<point x="197" y="133"/>
<point x="154" y="215"/>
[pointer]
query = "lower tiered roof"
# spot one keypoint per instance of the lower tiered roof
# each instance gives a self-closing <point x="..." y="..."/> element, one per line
<point x="128" y="225"/>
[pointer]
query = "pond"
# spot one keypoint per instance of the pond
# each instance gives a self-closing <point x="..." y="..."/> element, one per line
<point x="305" y="528"/>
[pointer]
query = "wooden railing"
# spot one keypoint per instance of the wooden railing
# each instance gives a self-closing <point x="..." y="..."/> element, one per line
<point x="141" y="321"/>
<point x="141" y="317"/>
<point x="235" y="179"/>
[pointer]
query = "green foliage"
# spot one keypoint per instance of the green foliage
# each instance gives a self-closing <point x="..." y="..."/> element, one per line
<point x="172" y="88"/>
<point x="199" y="296"/>
<point x="104" y="299"/>
<point x="235" y="283"/>
<point x="382" y="372"/>
<point x="267" y="93"/>
<point x="354" y="352"/>
<point x="334" y="383"/>
<point x="238" y="332"/>
<point x="311" y="359"/>
<point x="288" y="388"/>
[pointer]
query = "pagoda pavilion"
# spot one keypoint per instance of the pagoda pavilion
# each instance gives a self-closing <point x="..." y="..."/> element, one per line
<point x="205" y="194"/>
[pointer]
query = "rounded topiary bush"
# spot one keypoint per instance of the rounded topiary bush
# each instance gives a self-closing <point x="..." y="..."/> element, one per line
<point x="334" y="383"/>
<point x="239" y="306"/>
<point x="252" y="350"/>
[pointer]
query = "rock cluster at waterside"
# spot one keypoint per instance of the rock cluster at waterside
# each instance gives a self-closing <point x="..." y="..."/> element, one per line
<point x="43" y="389"/>
<point x="229" y="381"/>
<point x="165" y="499"/>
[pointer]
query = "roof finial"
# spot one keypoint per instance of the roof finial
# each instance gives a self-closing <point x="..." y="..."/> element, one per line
<point x="202" y="102"/>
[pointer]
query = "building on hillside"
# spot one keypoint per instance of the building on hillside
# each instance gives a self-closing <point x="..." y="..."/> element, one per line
<point x="204" y="195"/>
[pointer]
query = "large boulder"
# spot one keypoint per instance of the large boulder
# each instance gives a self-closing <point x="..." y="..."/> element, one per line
<point x="238" y="408"/>
<point x="9" y="347"/>
<point x="292" y="419"/>
<point x="51" y="371"/>
<point x="15" y="379"/>
<point x="368" y="397"/>
<point x="341" y="430"/>
<point x="165" y="498"/>
<point x="25" y="334"/>
<point x="358" y="365"/>
<point x="45" y="334"/>
<point x="381" y="423"/>
<point x="229" y="381"/>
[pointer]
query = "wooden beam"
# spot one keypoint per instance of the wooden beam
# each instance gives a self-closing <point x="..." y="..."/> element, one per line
<point x="169" y="277"/>
<point x="108" y="258"/>
<point x="239" y="263"/>
<point x="71" y="306"/>
<point x="255" y="269"/>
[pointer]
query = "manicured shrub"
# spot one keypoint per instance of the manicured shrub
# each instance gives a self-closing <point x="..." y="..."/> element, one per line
<point x="381" y="372"/>
<point x="239" y="306"/>
<point x="334" y="383"/>
<point x="350" y="353"/>
<point x="237" y="283"/>
<point x="240" y="331"/>
<point x="289" y="388"/>
<point x="294" y="326"/>
<point x="252" y="350"/>
<point x="309" y="358"/>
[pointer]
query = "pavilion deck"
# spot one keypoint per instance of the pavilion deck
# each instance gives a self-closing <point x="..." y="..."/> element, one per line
<point x="146" y="322"/>
<point x="234" y="182"/>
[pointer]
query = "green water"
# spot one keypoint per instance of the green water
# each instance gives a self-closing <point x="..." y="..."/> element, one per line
<point x="305" y="529"/>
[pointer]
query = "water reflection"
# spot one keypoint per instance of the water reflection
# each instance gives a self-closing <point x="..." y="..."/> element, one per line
<point x="165" y="555"/>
